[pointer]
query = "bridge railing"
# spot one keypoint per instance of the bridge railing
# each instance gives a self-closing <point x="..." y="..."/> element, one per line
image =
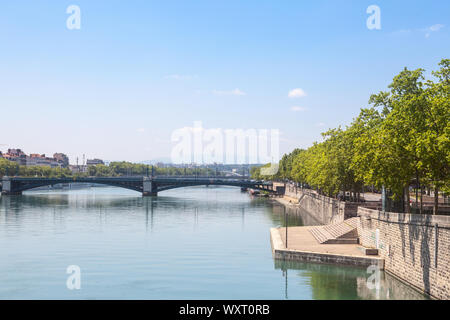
<point x="135" y="177"/>
<point x="205" y="177"/>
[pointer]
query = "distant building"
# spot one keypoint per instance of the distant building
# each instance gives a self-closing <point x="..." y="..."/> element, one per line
<point x="17" y="156"/>
<point x="77" y="168"/>
<point x="16" y="152"/>
<point x="36" y="159"/>
<point x="94" y="162"/>
<point x="62" y="159"/>
<point x="41" y="160"/>
<point x="161" y="165"/>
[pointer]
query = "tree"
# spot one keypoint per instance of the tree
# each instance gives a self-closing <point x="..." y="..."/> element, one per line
<point x="403" y="137"/>
<point x="434" y="140"/>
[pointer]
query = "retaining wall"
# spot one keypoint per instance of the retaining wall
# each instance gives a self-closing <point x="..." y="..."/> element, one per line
<point x="416" y="248"/>
<point x="325" y="210"/>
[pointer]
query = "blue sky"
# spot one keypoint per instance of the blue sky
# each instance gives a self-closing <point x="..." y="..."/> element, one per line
<point x="137" y="70"/>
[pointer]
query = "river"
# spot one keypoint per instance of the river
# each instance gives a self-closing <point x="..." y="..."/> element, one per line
<point x="187" y="243"/>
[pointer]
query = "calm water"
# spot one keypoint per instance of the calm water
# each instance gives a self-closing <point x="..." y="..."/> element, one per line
<point x="189" y="243"/>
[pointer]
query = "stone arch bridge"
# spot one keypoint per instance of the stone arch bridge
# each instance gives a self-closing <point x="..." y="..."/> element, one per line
<point x="148" y="186"/>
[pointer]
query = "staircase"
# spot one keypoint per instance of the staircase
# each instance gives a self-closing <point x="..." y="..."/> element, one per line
<point x="339" y="233"/>
<point x="301" y="198"/>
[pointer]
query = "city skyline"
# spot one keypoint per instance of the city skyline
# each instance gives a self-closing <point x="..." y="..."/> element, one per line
<point x="29" y="159"/>
<point x="117" y="88"/>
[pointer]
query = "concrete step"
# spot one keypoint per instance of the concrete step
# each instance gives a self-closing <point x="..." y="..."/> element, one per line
<point x="353" y="222"/>
<point x="343" y="241"/>
<point x="320" y="234"/>
<point x="338" y="233"/>
<point x="368" y="251"/>
<point x="341" y="230"/>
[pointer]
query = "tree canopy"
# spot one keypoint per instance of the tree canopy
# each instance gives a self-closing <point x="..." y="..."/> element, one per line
<point x="401" y="139"/>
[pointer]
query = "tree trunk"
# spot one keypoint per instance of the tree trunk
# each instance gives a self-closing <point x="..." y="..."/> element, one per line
<point x="407" y="207"/>
<point x="436" y="200"/>
<point x="417" y="190"/>
<point x="421" y="200"/>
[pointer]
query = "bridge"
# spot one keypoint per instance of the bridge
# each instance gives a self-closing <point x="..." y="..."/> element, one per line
<point x="148" y="186"/>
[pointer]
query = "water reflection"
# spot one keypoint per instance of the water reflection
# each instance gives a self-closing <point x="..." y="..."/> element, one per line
<point x="15" y="207"/>
<point x="190" y="243"/>
<point x="330" y="282"/>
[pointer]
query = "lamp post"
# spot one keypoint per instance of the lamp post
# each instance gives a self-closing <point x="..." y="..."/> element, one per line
<point x="286" y="224"/>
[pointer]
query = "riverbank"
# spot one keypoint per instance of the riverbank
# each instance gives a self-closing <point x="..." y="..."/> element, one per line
<point x="414" y="248"/>
<point x="302" y="246"/>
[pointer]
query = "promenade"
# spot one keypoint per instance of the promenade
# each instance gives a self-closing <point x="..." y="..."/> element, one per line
<point x="412" y="247"/>
<point x="303" y="246"/>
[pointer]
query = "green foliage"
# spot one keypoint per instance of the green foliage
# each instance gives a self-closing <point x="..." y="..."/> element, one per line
<point x="113" y="170"/>
<point x="404" y="135"/>
<point x="255" y="173"/>
<point x="8" y="167"/>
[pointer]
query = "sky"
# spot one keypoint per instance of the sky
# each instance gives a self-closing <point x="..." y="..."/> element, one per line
<point x="136" y="71"/>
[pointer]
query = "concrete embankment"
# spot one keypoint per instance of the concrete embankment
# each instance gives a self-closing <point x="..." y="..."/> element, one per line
<point x="293" y="209"/>
<point x="320" y="209"/>
<point x="413" y="248"/>
<point x="325" y="210"/>
<point x="416" y="248"/>
<point x="304" y="242"/>
<point x="302" y="246"/>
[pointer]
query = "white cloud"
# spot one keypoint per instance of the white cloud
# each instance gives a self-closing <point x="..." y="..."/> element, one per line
<point x="235" y="92"/>
<point x="426" y="31"/>
<point x="297" y="93"/>
<point x="436" y="27"/>
<point x="181" y="76"/>
<point x="433" y="28"/>
<point x="140" y="130"/>
<point x="298" y="109"/>
<point x="402" y="32"/>
<point x="320" y="124"/>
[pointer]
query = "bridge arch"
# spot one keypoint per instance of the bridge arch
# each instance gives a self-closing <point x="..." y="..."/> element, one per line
<point x="170" y="187"/>
<point x="18" y="185"/>
<point x="31" y="187"/>
<point x="145" y="185"/>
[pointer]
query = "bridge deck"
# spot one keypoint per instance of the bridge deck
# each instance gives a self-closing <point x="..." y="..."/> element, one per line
<point x="15" y="185"/>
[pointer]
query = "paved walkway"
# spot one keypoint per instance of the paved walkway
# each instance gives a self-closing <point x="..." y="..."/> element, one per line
<point x="299" y="238"/>
<point x="369" y="196"/>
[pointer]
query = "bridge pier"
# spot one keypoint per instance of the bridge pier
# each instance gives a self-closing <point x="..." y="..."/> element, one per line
<point x="7" y="188"/>
<point x="149" y="188"/>
<point x="11" y="193"/>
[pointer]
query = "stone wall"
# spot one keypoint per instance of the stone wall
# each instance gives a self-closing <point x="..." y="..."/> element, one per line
<point x="416" y="248"/>
<point x="325" y="210"/>
<point x="301" y="216"/>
